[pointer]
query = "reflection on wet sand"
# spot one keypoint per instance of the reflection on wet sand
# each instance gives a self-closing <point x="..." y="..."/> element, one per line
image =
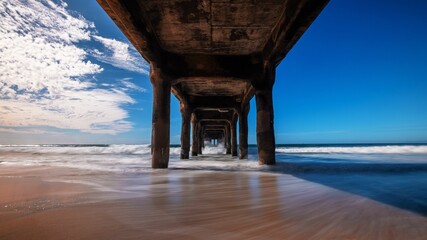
<point x="267" y="206"/>
<point x="181" y="204"/>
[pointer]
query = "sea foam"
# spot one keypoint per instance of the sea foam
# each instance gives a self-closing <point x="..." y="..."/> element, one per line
<point x="391" y="149"/>
<point x="137" y="158"/>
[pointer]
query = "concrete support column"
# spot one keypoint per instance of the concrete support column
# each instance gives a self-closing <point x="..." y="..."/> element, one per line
<point x="185" y="131"/>
<point x="203" y="140"/>
<point x="243" y="132"/>
<point x="265" y="117"/>
<point x="161" y="118"/>
<point x="195" y="145"/>
<point x="224" y="137"/>
<point x="228" y="138"/>
<point x="234" y="137"/>
<point x="200" y="137"/>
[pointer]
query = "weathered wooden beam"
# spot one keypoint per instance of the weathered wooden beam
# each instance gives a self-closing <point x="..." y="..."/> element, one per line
<point x="133" y="24"/>
<point x="183" y="98"/>
<point x="214" y="103"/>
<point x="248" y="95"/>
<point x="296" y="18"/>
<point x="215" y="114"/>
<point x="238" y="67"/>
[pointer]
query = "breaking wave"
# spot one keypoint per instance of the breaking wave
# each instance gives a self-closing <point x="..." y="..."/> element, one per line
<point x="290" y="159"/>
<point x="391" y="149"/>
<point x="119" y="149"/>
<point x="219" y="149"/>
<point x="79" y="149"/>
<point x="123" y="149"/>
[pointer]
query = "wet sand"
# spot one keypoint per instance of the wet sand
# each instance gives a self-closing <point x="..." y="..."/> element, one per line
<point x="65" y="203"/>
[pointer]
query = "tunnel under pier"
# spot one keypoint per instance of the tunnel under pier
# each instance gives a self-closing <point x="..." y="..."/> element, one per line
<point x="214" y="56"/>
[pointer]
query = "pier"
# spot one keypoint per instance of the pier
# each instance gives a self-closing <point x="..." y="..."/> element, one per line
<point x="214" y="56"/>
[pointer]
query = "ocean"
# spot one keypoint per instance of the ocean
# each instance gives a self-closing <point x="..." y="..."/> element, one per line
<point x="381" y="158"/>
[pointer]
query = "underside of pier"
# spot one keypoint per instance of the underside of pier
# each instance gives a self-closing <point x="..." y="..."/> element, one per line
<point x="214" y="56"/>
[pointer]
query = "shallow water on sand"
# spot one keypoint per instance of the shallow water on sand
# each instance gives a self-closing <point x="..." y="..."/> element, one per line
<point x="362" y="193"/>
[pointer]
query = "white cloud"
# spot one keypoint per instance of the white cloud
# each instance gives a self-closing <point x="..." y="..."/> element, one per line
<point x="131" y="86"/>
<point x="120" y="55"/>
<point x="28" y="131"/>
<point x="93" y="111"/>
<point x="45" y="77"/>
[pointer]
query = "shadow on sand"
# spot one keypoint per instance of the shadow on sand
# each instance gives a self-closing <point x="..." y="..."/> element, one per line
<point x="401" y="185"/>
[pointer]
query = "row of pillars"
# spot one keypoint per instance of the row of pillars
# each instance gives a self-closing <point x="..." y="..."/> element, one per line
<point x="229" y="134"/>
<point x="160" y="138"/>
<point x="214" y="141"/>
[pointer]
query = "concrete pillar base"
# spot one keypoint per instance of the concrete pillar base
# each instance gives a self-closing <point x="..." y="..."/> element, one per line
<point x="195" y="145"/>
<point x="234" y="137"/>
<point x="265" y="127"/>
<point x="228" y="139"/>
<point x="185" y="131"/>
<point x="161" y="118"/>
<point x="243" y="133"/>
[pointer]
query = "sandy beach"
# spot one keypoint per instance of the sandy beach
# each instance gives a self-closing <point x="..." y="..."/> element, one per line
<point x="66" y="203"/>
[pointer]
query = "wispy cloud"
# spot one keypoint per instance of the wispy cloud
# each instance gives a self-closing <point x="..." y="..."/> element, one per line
<point x="28" y="131"/>
<point x="126" y="82"/>
<point x="120" y="55"/>
<point x="45" y="76"/>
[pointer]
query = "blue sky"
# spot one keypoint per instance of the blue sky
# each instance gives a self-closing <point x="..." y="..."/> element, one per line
<point x="68" y="75"/>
